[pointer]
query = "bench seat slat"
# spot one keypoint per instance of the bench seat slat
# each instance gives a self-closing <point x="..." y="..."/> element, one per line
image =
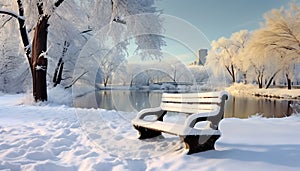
<point x="189" y="108"/>
<point x="194" y="95"/>
<point x="192" y="100"/>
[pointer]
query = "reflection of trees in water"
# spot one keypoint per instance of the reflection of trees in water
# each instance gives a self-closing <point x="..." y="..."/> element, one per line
<point x="131" y="100"/>
<point x="243" y="107"/>
<point x="104" y="100"/>
<point x="139" y="100"/>
<point x="240" y="107"/>
<point x="294" y="106"/>
<point x="289" y="109"/>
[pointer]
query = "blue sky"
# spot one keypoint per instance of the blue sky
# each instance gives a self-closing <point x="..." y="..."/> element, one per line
<point x="214" y="18"/>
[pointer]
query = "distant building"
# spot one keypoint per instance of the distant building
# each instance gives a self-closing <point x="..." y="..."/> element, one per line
<point x="201" y="57"/>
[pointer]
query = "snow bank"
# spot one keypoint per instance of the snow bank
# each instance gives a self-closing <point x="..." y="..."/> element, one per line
<point x="60" y="96"/>
<point x="253" y="90"/>
<point x="56" y="96"/>
<point x="55" y="137"/>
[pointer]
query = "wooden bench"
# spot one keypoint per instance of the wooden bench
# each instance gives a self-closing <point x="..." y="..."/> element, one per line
<point x="198" y="107"/>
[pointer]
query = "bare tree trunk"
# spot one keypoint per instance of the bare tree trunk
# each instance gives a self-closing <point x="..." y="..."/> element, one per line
<point x="289" y="82"/>
<point x="233" y="74"/>
<point x="105" y="81"/>
<point x="260" y="80"/>
<point x="271" y="79"/>
<point x="39" y="60"/>
<point x="259" y="84"/>
<point x="245" y="78"/>
<point x="230" y="70"/>
<point x="57" y="76"/>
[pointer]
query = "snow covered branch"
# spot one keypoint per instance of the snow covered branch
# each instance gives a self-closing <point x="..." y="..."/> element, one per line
<point x="12" y="14"/>
<point x="55" y="5"/>
<point x="58" y="3"/>
<point x="40" y="6"/>
<point x="76" y="79"/>
<point x="5" y="22"/>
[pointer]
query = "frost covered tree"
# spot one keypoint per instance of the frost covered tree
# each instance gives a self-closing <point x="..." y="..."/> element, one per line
<point x="200" y="74"/>
<point x="282" y="33"/>
<point x="116" y="14"/>
<point x="74" y="22"/>
<point x="36" y="52"/>
<point x="240" y="41"/>
<point x="8" y="55"/>
<point x="225" y="52"/>
<point x="256" y="63"/>
<point x="276" y="46"/>
<point x="111" y="64"/>
<point x="281" y="30"/>
<point x="13" y="67"/>
<point x="121" y="26"/>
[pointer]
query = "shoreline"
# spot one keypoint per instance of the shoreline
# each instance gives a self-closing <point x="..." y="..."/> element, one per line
<point x="253" y="90"/>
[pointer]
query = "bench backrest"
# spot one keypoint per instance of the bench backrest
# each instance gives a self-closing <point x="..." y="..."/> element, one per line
<point x="191" y="103"/>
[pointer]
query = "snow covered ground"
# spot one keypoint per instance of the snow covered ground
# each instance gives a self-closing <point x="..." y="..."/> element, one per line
<point x="253" y="90"/>
<point x="48" y="136"/>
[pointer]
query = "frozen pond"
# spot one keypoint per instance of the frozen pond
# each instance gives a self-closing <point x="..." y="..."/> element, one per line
<point x="126" y="100"/>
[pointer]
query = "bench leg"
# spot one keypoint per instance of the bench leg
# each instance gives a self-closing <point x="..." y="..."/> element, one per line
<point x="197" y="143"/>
<point x="146" y="133"/>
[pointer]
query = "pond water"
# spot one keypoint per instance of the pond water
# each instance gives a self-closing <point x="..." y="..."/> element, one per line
<point x="134" y="100"/>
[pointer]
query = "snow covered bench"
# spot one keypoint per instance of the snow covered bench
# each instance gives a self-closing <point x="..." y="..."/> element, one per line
<point x="198" y="107"/>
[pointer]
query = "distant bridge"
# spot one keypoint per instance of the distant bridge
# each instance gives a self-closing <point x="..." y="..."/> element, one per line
<point x="175" y="83"/>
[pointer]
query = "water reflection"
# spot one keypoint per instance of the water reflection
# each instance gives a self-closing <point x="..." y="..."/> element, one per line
<point x="122" y="100"/>
<point x="125" y="100"/>
<point x="243" y="107"/>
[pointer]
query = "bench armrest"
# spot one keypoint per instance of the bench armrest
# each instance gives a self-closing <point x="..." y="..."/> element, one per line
<point x="191" y="119"/>
<point x="150" y="111"/>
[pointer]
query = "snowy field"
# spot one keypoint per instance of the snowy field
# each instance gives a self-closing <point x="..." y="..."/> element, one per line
<point x="56" y="137"/>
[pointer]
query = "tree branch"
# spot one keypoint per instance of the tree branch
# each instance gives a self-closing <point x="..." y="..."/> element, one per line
<point x="55" y="5"/>
<point x="58" y="3"/>
<point x="40" y="6"/>
<point x="12" y="14"/>
<point x="23" y="30"/>
<point x="76" y="79"/>
<point x="283" y="47"/>
<point x="24" y="33"/>
<point x="86" y="31"/>
<point x="5" y="22"/>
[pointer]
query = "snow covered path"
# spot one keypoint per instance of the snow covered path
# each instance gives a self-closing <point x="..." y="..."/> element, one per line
<point x="54" y="137"/>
